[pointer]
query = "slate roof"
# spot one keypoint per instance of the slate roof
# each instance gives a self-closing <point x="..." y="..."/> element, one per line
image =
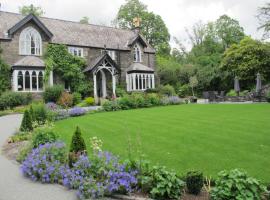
<point x="30" y="61"/>
<point x="75" y="33"/>
<point x="139" y="67"/>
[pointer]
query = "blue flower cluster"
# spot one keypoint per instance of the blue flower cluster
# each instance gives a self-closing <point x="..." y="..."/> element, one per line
<point x="76" y="111"/>
<point x="92" y="178"/>
<point x="43" y="163"/>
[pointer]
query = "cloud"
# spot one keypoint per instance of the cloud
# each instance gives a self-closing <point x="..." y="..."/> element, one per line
<point x="177" y="14"/>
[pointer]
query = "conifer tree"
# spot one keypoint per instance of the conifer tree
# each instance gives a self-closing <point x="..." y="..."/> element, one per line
<point x="77" y="143"/>
<point x="26" y="124"/>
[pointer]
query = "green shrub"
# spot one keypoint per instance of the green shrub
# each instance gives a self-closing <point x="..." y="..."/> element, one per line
<point x="231" y="93"/>
<point x="77" y="142"/>
<point x="111" y="105"/>
<point x="43" y="135"/>
<point x="125" y="102"/>
<point x="89" y="101"/>
<point x="65" y="100"/>
<point x="268" y="96"/>
<point x="39" y="113"/>
<point x="120" y="92"/>
<point x="162" y="183"/>
<point x="13" y="99"/>
<point x="26" y="124"/>
<point x="184" y="91"/>
<point x="153" y="99"/>
<point x="77" y="98"/>
<point x="138" y="99"/>
<point x="194" y="182"/>
<point x="151" y="90"/>
<point x="53" y="93"/>
<point x="236" y="184"/>
<point x="167" y="90"/>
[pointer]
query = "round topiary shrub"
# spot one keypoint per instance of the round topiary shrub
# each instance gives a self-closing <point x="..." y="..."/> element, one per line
<point x="43" y="135"/>
<point x="236" y="184"/>
<point x="194" y="181"/>
<point x="53" y="93"/>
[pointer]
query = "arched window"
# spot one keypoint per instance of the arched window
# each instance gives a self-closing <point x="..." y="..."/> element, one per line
<point x="34" y="80"/>
<point x="30" y="42"/>
<point x="137" y="53"/>
<point x="40" y="81"/>
<point x="27" y="80"/>
<point x="20" y="81"/>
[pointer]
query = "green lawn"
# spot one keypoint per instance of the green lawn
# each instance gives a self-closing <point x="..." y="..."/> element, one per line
<point x="204" y="137"/>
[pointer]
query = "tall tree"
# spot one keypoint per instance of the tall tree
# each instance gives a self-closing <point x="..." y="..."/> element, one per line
<point x="31" y="9"/>
<point x="152" y="27"/>
<point x="264" y="19"/>
<point x="84" y="20"/>
<point x="246" y="59"/>
<point x="229" y="31"/>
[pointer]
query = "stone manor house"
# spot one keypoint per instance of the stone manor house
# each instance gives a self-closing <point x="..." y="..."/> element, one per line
<point x="112" y="55"/>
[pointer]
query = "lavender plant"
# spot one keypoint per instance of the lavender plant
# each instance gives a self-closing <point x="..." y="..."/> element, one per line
<point x="76" y="111"/>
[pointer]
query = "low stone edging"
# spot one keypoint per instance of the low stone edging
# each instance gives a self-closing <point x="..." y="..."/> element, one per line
<point x="126" y="197"/>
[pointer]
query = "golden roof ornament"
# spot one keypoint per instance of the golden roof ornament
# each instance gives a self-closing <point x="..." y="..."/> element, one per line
<point x="137" y="22"/>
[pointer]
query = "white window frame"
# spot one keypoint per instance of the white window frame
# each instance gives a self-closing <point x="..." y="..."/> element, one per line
<point x="140" y="81"/>
<point x="137" y="53"/>
<point x="30" y="42"/>
<point x="31" y="73"/>
<point x="76" y="51"/>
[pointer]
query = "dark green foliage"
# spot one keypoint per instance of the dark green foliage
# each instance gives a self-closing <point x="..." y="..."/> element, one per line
<point x="26" y="124"/>
<point x="77" y="143"/>
<point x="120" y="91"/>
<point x="246" y="59"/>
<point x="53" y="93"/>
<point x="152" y="26"/>
<point x="77" y="98"/>
<point x="4" y="76"/>
<point x="13" y="99"/>
<point x="194" y="182"/>
<point x="68" y="67"/>
<point x="268" y="96"/>
<point x="39" y="113"/>
<point x="43" y="135"/>
<point x="162" y="184"/>
<point x="236" y="184"/>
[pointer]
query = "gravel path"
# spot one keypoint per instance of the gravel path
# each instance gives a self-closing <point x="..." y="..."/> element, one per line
<point x="13" y="186"/>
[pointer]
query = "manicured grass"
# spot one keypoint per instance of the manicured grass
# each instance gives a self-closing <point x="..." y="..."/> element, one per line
<point x="204" y="137"/>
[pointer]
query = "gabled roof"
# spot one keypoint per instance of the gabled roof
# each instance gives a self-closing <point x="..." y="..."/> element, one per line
<point x="27" y="19"/>
<point x="138" y="38"/>
<point x="98" y="60"/>
<point x="30" y="61"/>
<point x="138" y="67"/>
<point x="77" y="34"/>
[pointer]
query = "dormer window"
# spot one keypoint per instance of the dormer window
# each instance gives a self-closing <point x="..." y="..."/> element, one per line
<point x="30" y="42"/>
<point x="75" y="51"/>
<point x="137" y="53"/>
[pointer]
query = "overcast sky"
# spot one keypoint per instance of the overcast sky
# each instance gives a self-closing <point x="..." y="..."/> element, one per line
<point x="177" y="14"/>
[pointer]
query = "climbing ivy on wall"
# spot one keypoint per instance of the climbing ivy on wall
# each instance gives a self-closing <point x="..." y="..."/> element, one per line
<point x="4" y="75"/>
<point x="67" y="67"/>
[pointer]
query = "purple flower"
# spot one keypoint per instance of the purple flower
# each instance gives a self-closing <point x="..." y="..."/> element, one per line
<point x="76" y="111"/>
<point x="51" y="106"/>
